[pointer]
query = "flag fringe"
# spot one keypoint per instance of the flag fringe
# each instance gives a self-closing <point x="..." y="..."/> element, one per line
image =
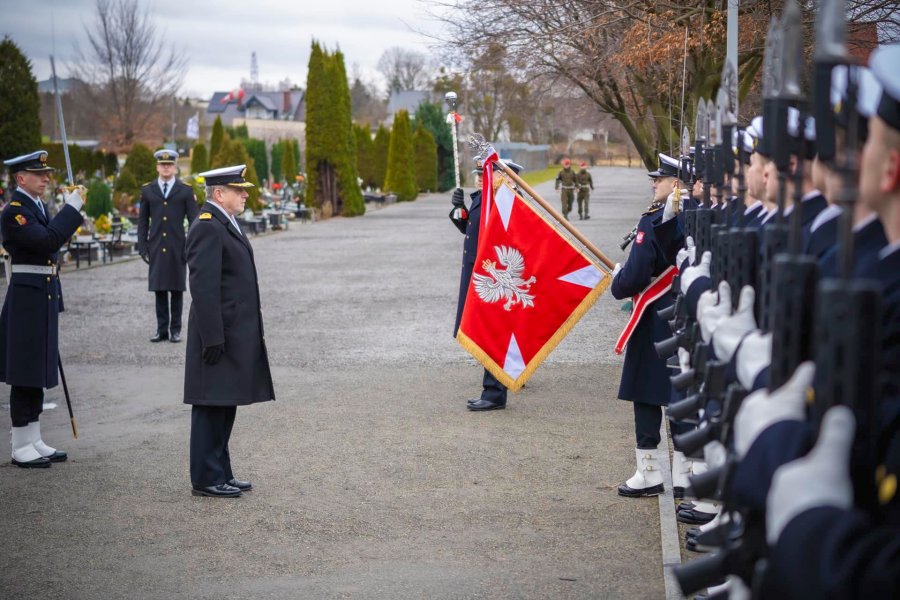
<point x="497" y="371"/>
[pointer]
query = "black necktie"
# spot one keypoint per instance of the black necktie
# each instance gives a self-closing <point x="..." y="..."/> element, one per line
<point x="165" y="188"/>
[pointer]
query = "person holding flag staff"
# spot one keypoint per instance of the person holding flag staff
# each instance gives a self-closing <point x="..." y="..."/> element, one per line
<point x="468" y="221"/>
<point x="165" y="204"/>
<point x="29" y="323"/>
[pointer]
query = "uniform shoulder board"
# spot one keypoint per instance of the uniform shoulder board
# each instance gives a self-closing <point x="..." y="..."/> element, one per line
<point x="652" y="210"/>
<point x="205" y="216"/>
<point x="15" y="203"/>
<point x="146" y="184"/>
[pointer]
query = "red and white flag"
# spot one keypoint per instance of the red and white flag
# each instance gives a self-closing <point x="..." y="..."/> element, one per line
<point x="531" y="283"/>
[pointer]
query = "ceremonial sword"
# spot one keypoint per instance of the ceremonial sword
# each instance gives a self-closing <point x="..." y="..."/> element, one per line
<point x="65" y="145"/>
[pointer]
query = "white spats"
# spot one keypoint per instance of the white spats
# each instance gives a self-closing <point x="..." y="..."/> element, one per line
<point x="22" y="447"/>
<point x="38" y="443"/>
<point x="514" y="363"/>
<point x="588" y="276"/>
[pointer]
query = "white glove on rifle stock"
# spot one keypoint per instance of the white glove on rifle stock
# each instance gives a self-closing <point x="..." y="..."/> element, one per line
<point x="712" y="309"/>
<point x="731" y="330"/>
<point x="760" y="410"/>
<point x="692" y="274"/>
<point x="688" y="253"/>
<point x="821" y="478"/>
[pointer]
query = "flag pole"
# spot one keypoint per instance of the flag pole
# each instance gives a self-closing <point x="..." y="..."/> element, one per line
<point x="555" y="214"/>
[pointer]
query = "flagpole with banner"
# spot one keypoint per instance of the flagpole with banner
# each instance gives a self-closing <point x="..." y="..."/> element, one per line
<point x="535" y="276"/>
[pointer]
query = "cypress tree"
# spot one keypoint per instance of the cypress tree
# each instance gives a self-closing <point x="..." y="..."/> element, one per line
<point x="426" y="161"/>
<point x="217" y="139"/>
<point x="233" y="153"/>
<point x="256" y="149"/>
<point x="351" y="199"/>
<point x="289" y="164"/>
<point x="364" y="146"/>
<point x="277" y="152"/>
<point x="331" y="181"/>
<point x="141" y="163"/>
<point x="20" y="105"/>
<point x="380" y="147"/>
<point x="127" y="184"/>
<point x="401" y="175"/>
<point x="199" y="159"/>
<point x="429" y="116"/>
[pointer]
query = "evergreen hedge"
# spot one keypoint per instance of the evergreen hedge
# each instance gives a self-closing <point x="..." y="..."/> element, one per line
<point x="380" y="147"/>
<point x="364" y="156"/>
<point x="20" y="104"/>
<point x="217" y="139"/>
<point x="99" y="199"/>
<point x="425" y="160"/>
<point x="429" y="116"/>
<point x="199" y="159"/>
<point x="142" y="164"/>
<point x="233" y="153"/>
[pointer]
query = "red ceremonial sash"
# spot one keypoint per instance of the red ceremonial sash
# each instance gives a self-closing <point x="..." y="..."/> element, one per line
<point x="653" y="292"/>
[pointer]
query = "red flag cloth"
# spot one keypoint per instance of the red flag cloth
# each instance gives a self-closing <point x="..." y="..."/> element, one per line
<point x="530" y="285"/>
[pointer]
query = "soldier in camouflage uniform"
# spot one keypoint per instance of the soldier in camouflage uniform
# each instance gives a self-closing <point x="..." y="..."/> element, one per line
<point x="585" y="186"/>
<point x="566" y="179"/>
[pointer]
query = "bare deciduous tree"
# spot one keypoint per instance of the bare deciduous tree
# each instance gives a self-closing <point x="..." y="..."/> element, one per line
<point x="403" y="69"/>
<point x="131" y="72"/>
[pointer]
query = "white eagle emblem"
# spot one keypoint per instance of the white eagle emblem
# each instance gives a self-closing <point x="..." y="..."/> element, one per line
<point x="508" y="284"/>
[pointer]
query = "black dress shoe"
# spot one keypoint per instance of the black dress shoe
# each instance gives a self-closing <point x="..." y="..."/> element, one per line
<point x="176" y="337"/>
<point x="57" y="456"/>
<point x="587" y="217"/>
<point x="630" y="492"/>
<point x="694" y="517"/>
<point x="678" y="492"/>
<point x="159" y="337"/>
<point x="223" y="490"/>
<point x="480" y="405"/>
<point x="244" y="486"/>
<point x="38" y="463"/>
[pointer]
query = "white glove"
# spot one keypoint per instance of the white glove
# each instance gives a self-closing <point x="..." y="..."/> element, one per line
<point x="74" y="198"/>
<point x="761" y="409"/>
<point x="616" y="270"/>
<point x="712" y="309"/>
<point x="754" y="355"/>
<point x="689" y="253"/>
<point x="821" y="478"/>
<point x="691" y="274"/>
<point x="731" y="330"/>
<point x="714" y="454"/>
<point x="684" y="359"/>
<point x="669" y="210"/>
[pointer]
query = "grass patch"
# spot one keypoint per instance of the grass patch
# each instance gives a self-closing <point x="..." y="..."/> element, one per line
<point x="536" y="177"/>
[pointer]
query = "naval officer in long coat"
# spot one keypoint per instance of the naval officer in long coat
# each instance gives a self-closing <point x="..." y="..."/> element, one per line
<point x="226" y="364"/>
<point x="29" y="323"/>
<point x="165" y="203"/>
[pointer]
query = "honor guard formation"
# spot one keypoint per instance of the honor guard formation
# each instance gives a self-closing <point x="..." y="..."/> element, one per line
<point x="765" y="277"/>
<point x="764" y="331"/>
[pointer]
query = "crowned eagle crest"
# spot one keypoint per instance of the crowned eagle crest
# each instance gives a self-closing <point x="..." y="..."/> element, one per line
<point x="505" y="284"/>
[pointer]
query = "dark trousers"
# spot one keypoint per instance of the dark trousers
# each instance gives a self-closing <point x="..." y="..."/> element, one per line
<point x="164" y="323"/>
<point x="210" y="431"/>
<point x="25" y="405"/>
<point x="493" y="391"/>
<point x="647" y="421"/>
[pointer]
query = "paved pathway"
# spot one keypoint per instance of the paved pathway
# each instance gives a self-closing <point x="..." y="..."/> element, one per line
<point x="372" y="479"/>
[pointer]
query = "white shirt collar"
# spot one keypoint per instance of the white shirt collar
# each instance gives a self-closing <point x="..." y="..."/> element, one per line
<point x="888" y="250"/>
<point x="770" y="214"/>
<point x="830" y="212"/>
<point x="230" y="218"/>
<point x="810" y="195"/>
<point x="753" y="207"/>
<point x="865" y="221"/>
<point x="161" y="181"/>
<point x="30" y="197"/>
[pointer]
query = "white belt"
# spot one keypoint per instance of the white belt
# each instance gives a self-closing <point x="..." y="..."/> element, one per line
<point x="34" y="269"/>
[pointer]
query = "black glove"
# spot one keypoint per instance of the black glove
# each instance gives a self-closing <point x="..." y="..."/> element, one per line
<point x="212" y="354"/>
<point x="145" y="257"/>
<point x="458" y="198"/>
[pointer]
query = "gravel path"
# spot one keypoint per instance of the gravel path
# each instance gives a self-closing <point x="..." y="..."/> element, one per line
<point x="372" y="480"/>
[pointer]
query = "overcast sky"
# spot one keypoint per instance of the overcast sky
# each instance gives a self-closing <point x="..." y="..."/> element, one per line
<point x="219" y="36"/>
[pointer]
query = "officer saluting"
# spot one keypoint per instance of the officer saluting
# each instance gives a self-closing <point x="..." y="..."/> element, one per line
<point x="29" y="323"/>
<point x="164" y="205"/>
<point x="226" y="364"/>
